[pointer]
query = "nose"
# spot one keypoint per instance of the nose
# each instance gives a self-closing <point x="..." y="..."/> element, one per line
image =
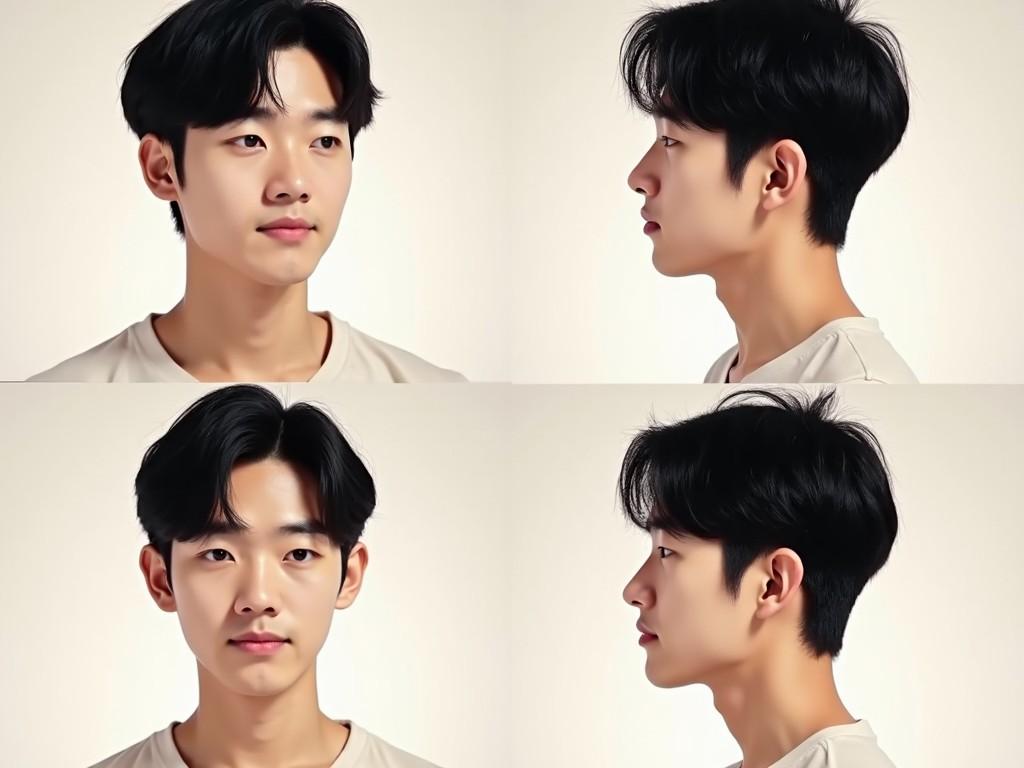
<point x="642" y="178"/>
<point x="288" y="180"/>
<point x="637" y="592"/>
<point x="256" y="594"/>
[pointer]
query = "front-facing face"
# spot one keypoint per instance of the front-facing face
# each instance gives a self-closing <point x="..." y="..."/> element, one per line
<point x="690" y="626"/>
<point x="242" y="178"/>
<point x="275" y="583"/>
<point x="695" y="217"/>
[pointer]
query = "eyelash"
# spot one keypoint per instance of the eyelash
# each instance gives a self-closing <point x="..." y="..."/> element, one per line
<point x="666" y="139"/>
<point x="335" y="139"/>
<point x="314" y="555"/>
<point x="664" y="552"/>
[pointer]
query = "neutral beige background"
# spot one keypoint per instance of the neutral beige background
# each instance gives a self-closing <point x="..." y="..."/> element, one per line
<point x="932" y="653"/>
<point x="491" y="631"/>
<point x="88" y="250"/>
<point x="933" y="247"/>
<point x="90" y="665"/>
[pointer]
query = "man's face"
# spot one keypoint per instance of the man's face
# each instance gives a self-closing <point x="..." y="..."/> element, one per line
<point x="243" y="176"/>
<point x="692" y="628"/>
<point x="277" y="577"/>
<point x="698" y="219"/>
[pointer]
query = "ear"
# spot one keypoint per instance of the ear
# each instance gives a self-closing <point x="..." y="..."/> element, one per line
<point x="785" y="173"/>
<point x="155" y="571"/>
<point x="157" y="161"/>
<point x="357" y="560"/>
<point x="781" y="577"/>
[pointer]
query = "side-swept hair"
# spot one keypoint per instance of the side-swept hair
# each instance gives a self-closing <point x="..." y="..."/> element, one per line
<point x="183" y="485"/>
<point x="209" y="63"/>
<point x="765" y="70"/>
<point x="769" y="469"/>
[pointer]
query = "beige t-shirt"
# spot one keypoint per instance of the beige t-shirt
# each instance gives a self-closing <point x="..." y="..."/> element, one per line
<point x="362" y="750"/>
<point x="845" y="350"/>
<point x="841" y="746"/>
<point x="136" y="354"/>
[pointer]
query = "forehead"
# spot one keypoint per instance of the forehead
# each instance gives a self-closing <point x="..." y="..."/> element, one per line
<point x="302" y="80"/>
<point x="269" y="493"/>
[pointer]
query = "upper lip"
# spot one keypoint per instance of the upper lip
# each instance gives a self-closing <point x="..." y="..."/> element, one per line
<point x="287" y="223"/>
<point x="644" y="629"/>
<point x="257" y="637"/>
<point x="646" y="216"/>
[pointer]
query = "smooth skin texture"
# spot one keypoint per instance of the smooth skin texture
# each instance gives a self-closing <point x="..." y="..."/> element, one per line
<point x="777" y="285"/>
<point x="258" y="710"/>
<point x="767" y="685"/>
<point x="239" y="177"/>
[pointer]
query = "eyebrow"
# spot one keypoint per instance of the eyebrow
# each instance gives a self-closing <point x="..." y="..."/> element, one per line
<point x="305" y="528"/>
<point x="330" y="115"/>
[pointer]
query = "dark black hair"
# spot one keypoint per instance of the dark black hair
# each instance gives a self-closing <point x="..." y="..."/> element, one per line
<point x="209" y="63"/>
<point x="757" y="476"/>
<point x="183" y="485"/>
<point x="766" y="70"/>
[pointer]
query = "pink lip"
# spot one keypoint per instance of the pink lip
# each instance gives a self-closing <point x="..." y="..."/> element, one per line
<point x="259" y="647"/>
<point x="651" y="227"/>
<point x="287" y="234"/>
<point x="645" y="638"/>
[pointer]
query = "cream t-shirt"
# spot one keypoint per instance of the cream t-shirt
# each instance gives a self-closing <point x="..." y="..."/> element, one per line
<point x="845" y="350"/>
<point x="362" y="750"/>
<point x="136" y="355"/>
<point x="841" y="746"/>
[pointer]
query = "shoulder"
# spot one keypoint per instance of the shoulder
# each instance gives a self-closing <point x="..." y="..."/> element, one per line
<point x="719" y="370"/>
<point x="97" y="364"/>
<point x="375" y="752"/>
<point x="151" y="752"/>
<point x="871" y="357"/>
<point x="383" y="361"/>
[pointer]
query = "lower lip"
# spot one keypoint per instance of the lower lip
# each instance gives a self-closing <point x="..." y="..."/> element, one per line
<point x="645" y="639"/>
<point x="651" y="227"/>
<point x="259" y="649"/>
<point x="287" y="235"/>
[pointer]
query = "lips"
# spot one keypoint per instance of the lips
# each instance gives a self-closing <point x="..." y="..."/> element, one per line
<point x="258" y="637"/>
<point x="286" y="223"/>
<point x="650" y="224"/>
<point x="646" y="635"/>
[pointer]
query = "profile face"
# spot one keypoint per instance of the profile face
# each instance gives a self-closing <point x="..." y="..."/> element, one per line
<point x="243" y="176"/>
<point x="278" y="577"/>
<point x="692" y="213"/>
<point x="691" y="628"/>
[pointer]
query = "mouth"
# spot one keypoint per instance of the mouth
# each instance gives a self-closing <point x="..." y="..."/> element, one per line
<point x="287" y="230"/>
<point x="258" y="643"/>
<point x="650" y="225"/>
<point x="646" y="636"/>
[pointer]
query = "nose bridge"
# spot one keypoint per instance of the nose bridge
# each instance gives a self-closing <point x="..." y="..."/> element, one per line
<point x="642" y="178"/>
<point x="637" y="590"/>
<point x="288" y="169"/>
<point x="257" y="588"/>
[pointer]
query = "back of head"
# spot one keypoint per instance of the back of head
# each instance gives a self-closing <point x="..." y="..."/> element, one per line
<point x="765" y="70"/>
<point x="210" y="63"/>
<point x="766" y="470"/>
<point x="183" y="484"/>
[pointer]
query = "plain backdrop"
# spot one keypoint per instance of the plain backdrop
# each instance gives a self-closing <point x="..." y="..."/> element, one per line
<point x="90" y="665"/>
<point x="491" y="629"/>
<point x="88" y="250"/>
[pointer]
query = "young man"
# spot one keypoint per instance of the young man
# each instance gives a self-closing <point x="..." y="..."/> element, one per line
<point x="766" y="521"/>
<point x="770" y="117"/>
<point x="254" y="513"/>
<point x="247" y="113"/>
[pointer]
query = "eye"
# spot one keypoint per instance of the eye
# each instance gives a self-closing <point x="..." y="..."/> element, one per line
<point x="249" y="141"/>
<point x="307" y="555"/>
<point x="667" y="141"/>
<point x="663" y="552"/>
<point x="219" y="555"/>
<point x="333" y="141"/>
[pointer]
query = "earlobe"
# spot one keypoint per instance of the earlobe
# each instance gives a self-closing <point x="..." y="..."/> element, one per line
<point x="156" y="162"/>
<point x="787" y="168"/>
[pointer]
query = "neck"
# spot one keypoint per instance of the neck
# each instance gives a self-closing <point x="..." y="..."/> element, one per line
<point x="778" y="296"/>
<point x="229" y="729"/>
<point x="231" y="328"/>
<point x="773" y="706"/>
